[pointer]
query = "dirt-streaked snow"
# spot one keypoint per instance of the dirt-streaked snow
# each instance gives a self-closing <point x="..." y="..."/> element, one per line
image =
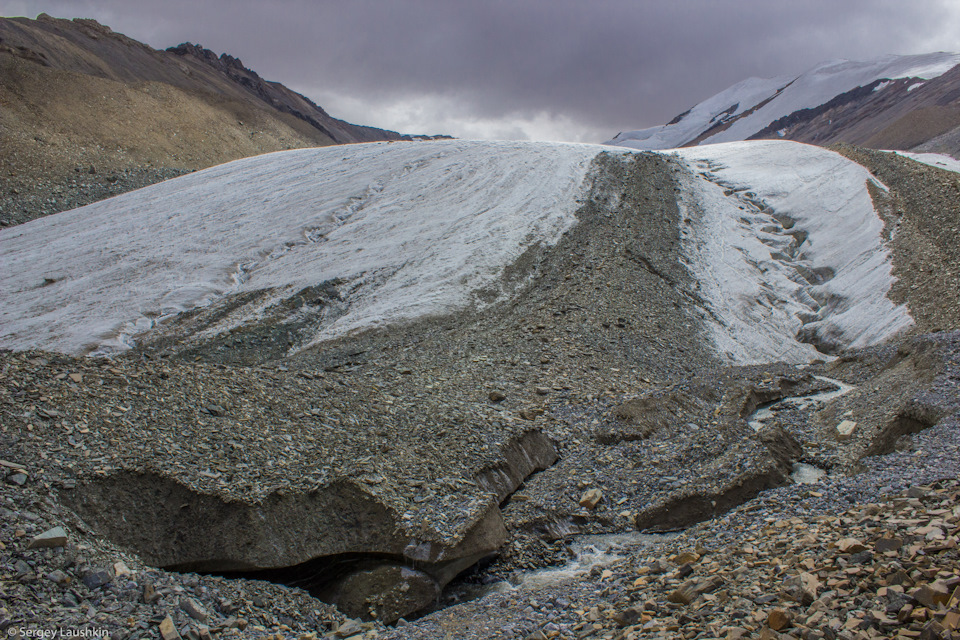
<point x="421" y="229"/>
<point x="784" y="95"/>
<point x="416" y="227"/>
<point x="788" y="241"/>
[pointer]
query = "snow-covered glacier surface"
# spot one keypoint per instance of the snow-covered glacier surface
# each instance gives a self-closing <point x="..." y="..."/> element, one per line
<point x="781" y="239"/>
<point x="415" y="227"/>
<point x="787" y="250"/>
<point x="749" y="106"/>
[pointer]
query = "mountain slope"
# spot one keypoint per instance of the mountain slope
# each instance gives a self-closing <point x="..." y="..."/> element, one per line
<point x="87" y="112"/>
<point x="836" y="101"/>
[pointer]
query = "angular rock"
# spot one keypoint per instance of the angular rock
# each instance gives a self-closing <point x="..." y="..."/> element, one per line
<point x="591" y="498"/>
<point x="55" y="537"/>
<point x="168" y="631"/>
<point x="193" y="609"/>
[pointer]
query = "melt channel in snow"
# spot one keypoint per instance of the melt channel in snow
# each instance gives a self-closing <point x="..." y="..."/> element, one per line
<point x="786" y="249"/>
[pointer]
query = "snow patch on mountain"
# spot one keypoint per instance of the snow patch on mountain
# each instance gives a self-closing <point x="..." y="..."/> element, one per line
<point x="751" y="105"/>
<point x="724" y="106"/>
<point x="938" y="160"/>
<point x="787" y="251"/>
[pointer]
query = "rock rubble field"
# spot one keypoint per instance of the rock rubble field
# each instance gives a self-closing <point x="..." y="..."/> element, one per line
<point x="569" y="457"/>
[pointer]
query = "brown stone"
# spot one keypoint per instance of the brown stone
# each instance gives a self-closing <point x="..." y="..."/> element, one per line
<point x="779" y="619"/>
<point x="931" y="595"/>
<point x="168" y="631"/>
<point x="591" y="498"/>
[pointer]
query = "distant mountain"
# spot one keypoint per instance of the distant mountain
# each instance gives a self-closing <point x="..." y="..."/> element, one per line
<point x="894" y="102"/>
<point x="79" y="98"/>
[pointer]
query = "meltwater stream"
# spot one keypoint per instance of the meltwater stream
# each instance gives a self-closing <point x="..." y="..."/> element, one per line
<point x="587" y="553"/>
<point x="802" y="473"/>
<point x="760" y="417"/>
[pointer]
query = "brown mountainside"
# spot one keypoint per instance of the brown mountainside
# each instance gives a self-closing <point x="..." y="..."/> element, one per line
<point x="905" y="114"/>
<point x="86" y="112"/>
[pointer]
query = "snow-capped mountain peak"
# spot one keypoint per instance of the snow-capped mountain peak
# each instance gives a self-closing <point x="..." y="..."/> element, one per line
<point x="752" y="105"/>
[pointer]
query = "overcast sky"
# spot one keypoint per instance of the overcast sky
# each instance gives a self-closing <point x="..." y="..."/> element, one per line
<point x="577" y="70"/>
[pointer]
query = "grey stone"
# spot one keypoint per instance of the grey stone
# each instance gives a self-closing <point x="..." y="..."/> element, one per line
<point x="55" y="537"/>
<point x="18" y="479"/>
<point x="97" y="578"/>
<point x="194" y="610"/>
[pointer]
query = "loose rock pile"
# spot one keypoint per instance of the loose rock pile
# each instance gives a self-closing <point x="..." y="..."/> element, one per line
<point x="877" y="571"/>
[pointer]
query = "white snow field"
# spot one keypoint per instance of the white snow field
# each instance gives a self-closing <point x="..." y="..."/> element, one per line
<point x="783" y="95"/>
<point x="788" y="240"/>
<point x="938" y="160"/>
<point x="418" y="229"/>
<point x="418" y="226"/>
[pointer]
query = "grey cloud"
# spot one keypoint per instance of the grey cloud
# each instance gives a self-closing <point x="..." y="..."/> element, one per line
<point x="603" y="65"/>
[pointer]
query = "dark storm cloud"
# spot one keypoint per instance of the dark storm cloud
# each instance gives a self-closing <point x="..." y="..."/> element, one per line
<point x="584" y="68"/>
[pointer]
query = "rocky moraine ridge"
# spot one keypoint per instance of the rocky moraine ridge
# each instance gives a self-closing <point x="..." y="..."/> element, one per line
<point x="207" y="484"/>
